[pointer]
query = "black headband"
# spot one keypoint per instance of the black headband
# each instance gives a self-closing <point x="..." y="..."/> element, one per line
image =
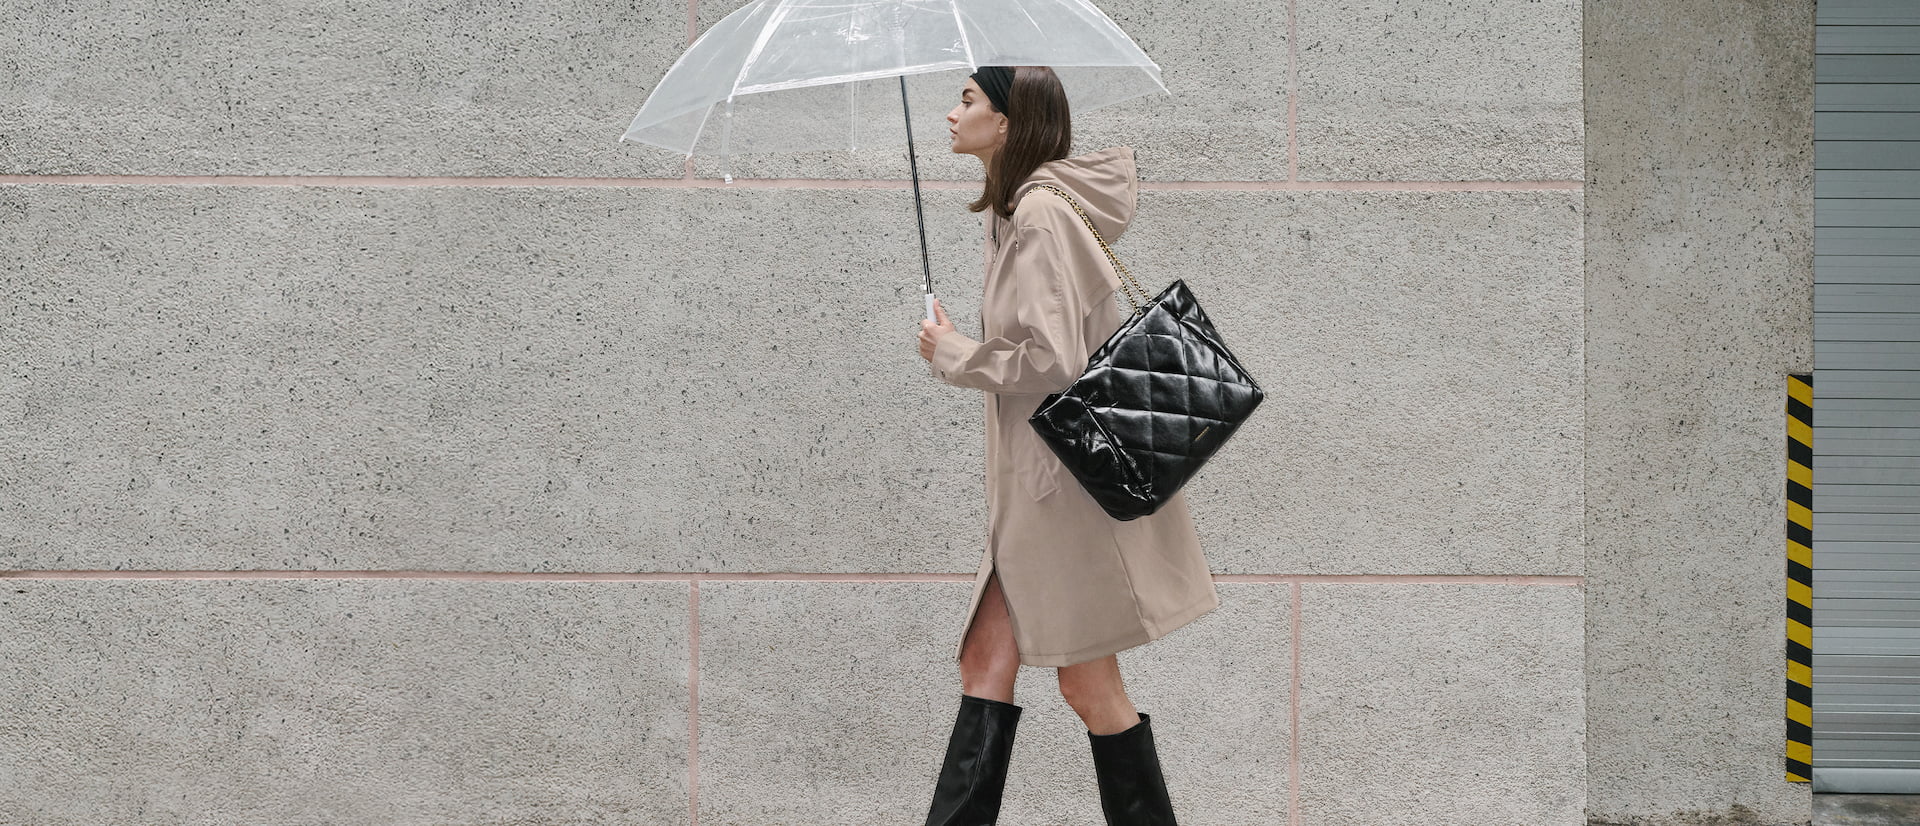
<point x="997" y="82"/>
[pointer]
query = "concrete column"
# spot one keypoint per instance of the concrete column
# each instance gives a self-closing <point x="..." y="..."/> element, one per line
<point x="1699" y="301"/>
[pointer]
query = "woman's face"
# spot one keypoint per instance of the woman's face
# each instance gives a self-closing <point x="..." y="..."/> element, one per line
<point x="976" y="129"/>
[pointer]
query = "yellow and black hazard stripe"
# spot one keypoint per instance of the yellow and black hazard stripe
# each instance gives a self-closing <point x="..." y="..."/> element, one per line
<point x="1799" y="578"/>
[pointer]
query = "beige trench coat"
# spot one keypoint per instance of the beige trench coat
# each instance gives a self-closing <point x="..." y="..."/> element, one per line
<point x="1079" y="584"/>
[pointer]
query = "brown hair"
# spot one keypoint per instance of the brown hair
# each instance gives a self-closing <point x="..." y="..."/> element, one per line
<point x="1041" y="131"/>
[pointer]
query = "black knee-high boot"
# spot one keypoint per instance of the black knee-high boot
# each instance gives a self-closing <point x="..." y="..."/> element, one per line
<point x="975" y="771"/>
<point x="1132" y="791"/>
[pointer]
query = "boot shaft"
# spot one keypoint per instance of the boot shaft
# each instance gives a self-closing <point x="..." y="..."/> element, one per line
<point x="974" y="773"/>
<point x="1132" y="790"/>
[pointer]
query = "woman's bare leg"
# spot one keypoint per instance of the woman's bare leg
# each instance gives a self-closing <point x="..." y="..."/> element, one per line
<point x="1126" y="766"/>
<point x="1094" y="690"/>
<point x="974" y="772"/>
<point x="989" y="659"/>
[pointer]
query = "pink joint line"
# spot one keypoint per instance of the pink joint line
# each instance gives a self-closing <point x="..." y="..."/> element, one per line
<point x="745" y="183"/>
<point x="498" y="576"/>
<point x="693" y="704"/>
<point x="765" y="576"/>
<point x="1293" y="760"/>
<point x="1406" y="579"/>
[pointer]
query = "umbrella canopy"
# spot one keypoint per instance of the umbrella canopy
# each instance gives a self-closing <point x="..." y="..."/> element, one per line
<point x="797" y="75"/>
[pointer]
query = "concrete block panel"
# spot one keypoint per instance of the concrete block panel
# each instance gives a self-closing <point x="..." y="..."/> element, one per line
<point x="1421" y="352"/>
<point x="198" y="88"/>
<point x="1224" y="65"/>
<point x="491" y="379"/>
<point x="858" y="679"/>
<point x="1426" y="704"/>
<point x="142" y="702"/>
<point x="1413" y="90"/>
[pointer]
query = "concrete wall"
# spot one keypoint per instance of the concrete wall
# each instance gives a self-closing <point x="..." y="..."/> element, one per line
<point x="386" y="442"/>
<point x="1699" y="302"/>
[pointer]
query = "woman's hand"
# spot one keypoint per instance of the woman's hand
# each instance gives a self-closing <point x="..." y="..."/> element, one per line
<point x="931" y="331"/>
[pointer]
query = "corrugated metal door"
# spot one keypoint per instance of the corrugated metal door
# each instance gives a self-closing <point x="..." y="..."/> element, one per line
<point x="1866" y="414"/>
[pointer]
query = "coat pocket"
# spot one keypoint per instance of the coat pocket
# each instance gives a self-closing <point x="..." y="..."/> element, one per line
<point x="1039" y="469"/>
<point x="1025" y="456"/>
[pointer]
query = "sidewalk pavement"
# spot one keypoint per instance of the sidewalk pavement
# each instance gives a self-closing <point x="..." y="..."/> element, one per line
<point x="1866" y="810"/>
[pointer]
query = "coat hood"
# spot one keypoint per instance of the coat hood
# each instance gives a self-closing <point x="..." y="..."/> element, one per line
<point x="1104" y="183"/>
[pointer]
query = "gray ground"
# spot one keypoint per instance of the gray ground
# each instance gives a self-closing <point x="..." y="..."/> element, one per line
<point x="1866" y="810"/>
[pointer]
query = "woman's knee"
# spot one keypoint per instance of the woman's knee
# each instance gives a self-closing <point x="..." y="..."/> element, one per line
<point x="989" y="673"/>
<point x="993" y="680"/>
<point x="989" y="657"/>
<point x="1091" y="684"/>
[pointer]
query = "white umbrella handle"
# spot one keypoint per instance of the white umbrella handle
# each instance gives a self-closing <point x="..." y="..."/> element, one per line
<point x="930" y="307"/>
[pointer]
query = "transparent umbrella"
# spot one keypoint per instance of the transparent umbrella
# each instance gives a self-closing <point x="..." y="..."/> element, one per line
<point x="800" y="75"/>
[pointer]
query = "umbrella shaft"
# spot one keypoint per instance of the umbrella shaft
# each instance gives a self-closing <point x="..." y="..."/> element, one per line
<point x="919" y="213"/>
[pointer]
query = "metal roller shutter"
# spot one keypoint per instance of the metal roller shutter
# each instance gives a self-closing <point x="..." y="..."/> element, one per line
<point x="1866" y="419"/>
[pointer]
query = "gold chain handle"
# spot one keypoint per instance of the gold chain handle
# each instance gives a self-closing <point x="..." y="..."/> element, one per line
<point x="1126" y="278"/>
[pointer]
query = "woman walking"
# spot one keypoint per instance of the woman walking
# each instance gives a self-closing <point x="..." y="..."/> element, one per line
<point x="1061" y="583"/>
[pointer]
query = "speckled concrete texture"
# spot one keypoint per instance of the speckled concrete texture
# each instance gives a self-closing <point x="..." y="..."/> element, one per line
<point x="1418" y="90"/>
<point x="667" y="378"/>
<point x="1224" y="63"/>
<point x="1424" y="704"/>
<point x="543" y="89"/>
<point x="1421" y="355"/>
<point x="197" y="88"/>
<point x="857" y="677"/>
<point x="494" y="379"/>
<point x="328" y="702"/>
<point x="603" y="379"/>
<point x="1699" y="274"/>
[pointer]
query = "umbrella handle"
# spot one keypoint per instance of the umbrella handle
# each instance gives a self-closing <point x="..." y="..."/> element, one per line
<point x="930" y="307"/>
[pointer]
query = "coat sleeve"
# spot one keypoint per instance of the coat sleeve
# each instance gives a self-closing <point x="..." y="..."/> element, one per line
<point x="1044" y="348"/>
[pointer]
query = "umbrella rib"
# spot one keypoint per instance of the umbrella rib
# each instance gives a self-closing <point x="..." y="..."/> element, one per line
<point x="780" y="9"/>
<point x="698" y="130"/>
<point x="829" y="80"/>
<point x="962" y="29"/>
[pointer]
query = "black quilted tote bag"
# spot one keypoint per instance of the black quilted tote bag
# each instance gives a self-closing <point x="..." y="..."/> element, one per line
<point x="1155" y="402"/>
